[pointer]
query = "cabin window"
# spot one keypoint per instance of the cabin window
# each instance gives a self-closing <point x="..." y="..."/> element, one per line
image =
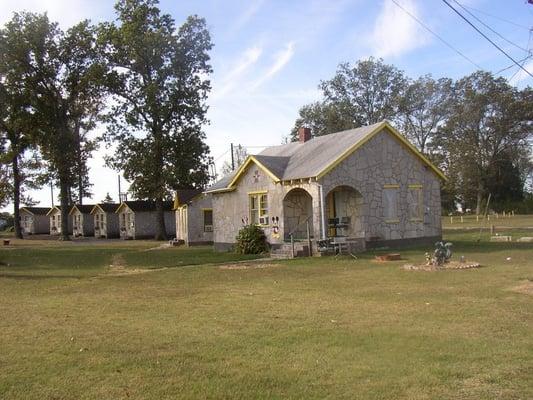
<point x="390" y="203"/>
<point x="415" y="202"/>
<point x="258" y="208"/>
<point x="208" y="220"/>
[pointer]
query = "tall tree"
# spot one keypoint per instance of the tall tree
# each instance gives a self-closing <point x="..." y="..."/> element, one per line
<point x="363" y="94"/>
<point x="424" y="107"/>
<point x="61" y="77"/>
<point x="490" y="122"/>
<point x="158" y="80"/>
<point x="15" y="132"/>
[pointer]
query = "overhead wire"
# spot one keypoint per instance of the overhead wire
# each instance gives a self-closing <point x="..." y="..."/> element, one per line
<point x="496" y="17"/>
<point x="486" y="37"/>
<point x="436" y="35"/>
<point x="490" y="28"/>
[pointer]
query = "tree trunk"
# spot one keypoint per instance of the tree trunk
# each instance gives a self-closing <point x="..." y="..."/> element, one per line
<point x="160" y="220"/>
<point x="16" y="196"/>
<point x="64" y="201"/>
<point x="80" y="189"/>
<point x="479" y="198"/>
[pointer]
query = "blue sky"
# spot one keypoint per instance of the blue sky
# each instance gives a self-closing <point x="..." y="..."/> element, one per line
<point x="269" y="56"/>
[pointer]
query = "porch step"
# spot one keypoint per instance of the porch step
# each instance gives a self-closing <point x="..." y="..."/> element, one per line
<point x="285" y="251"/>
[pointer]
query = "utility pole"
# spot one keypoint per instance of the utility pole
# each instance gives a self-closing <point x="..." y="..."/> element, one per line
<point x="232" y="159"/>
<point x="52" y="193"/>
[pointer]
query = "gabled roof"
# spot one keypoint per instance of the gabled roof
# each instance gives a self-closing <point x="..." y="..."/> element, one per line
<point x="317" y="157"/>
<point x="36" y="210"/>
<point x="82" y="208"/>
<point x="144" y="205"/>
<point x="185" y="196"/>
<point x="55" y="208"/>
<point x="105" y="207"/>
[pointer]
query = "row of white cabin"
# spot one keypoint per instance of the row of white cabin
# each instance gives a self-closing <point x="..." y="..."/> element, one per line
<point x="189" y="218"/>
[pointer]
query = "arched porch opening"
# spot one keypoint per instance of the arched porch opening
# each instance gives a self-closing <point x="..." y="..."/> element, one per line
<point x="344" y="207"/>
<point x="297" y="210"/>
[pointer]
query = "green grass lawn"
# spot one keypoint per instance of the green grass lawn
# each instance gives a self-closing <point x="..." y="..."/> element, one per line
<point x="306" y="328"/>
<point x="499" y="222"/>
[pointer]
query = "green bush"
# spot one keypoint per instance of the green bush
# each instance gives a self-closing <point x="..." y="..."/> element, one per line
<point x="251" y="240"/>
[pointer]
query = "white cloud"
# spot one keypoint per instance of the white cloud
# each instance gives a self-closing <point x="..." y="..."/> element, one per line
<point x="395" y="32"/>
<point x="281" y="59"/>
<point x="228" y="82"/>
<point x="246" y="16"/>
<point x="521" y="75"/>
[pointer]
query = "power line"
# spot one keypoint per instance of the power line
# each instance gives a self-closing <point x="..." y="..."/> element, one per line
<point x="513" y="65"/>
<point x="486" y="37"/>
<point x="499" y="18"/>
<point x="489" y="28"/>
<point x="437" y="36"/>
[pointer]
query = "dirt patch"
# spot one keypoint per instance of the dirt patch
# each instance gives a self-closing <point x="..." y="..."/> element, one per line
<point x="526" y="287"/>
<point x="449" y="265"/>
<point x="244" y="265"/>
<point x="118" y="267"/>
<point x="160" y="247"/>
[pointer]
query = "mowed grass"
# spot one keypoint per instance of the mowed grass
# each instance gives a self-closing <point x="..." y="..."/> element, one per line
<point x="499" y="222"/>
<point x="306" y="328"/>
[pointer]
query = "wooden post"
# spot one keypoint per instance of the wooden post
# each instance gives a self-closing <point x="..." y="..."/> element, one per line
<point x="488" y="217"/>
<point x="492" y="230"/>
<point x="477" y="218"/>
<point x="310" y="251"/>
<point x="497" y="216"/>
<point x="462" y="219"/>
<point x="451" y="220"/>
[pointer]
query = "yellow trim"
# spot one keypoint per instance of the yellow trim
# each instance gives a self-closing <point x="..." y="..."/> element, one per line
<point x="221" y="190"/>
<point x="258" y="195"/>
<point x="120" y="207"/>
<point x="392" y="221"/>
<point x="207" y="209"/>
<point x="397" y="135"/>
<point x="419" y="189"/>
<point x="53" y="209"/>
<point x="95" y="206"/>
<point x="243" y="167"/>
<point x="391" y="186"/>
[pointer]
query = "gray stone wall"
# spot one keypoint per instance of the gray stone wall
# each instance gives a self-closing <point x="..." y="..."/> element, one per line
<point x="109" y="226"/>
<point x="195" y="220"/>
<point x="144" y="224"/>
<point x="383" y="160"/>
<point x="230" y="208"/>
<point x="34" y="224"/>
<point x="85" y="226"/>
<point x="55" y="214"/>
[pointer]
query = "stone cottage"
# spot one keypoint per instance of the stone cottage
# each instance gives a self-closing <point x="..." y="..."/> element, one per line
<point x="105" y="220"/>
<point x="194" y="217"/>
<point x="137" y="219"/>
<point x="82" y="220"/>
<point x="368" y="185"/>
<point x="55" y="221"/>
<point x="34" y="220"/>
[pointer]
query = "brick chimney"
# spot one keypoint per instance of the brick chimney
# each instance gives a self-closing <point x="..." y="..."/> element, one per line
<point x="304" y="134"/>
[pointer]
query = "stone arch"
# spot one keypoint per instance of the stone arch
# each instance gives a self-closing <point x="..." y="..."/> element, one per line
<point x="297" y="209"/>
<point x="344" y="212"/>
